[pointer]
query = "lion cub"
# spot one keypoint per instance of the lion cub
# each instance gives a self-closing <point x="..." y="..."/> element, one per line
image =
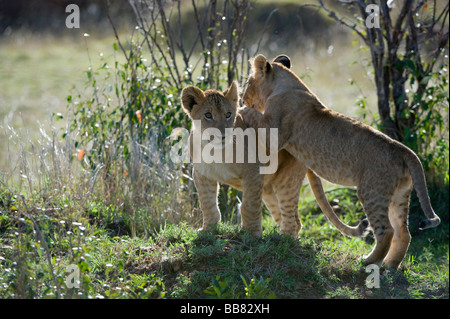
<point x="343" y="151"/>
<point x="279" y="191"/>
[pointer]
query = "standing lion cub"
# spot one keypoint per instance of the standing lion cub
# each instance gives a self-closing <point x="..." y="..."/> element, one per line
<point x="343" y="151"/>
<point x="280" y="190"/>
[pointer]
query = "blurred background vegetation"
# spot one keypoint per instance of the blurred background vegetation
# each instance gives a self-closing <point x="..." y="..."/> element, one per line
<point x="87" y="115"/>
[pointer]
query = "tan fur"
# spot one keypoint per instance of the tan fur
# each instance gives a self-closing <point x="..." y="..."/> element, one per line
<point x="279" y="191"/>
<point x="343" y="151"/>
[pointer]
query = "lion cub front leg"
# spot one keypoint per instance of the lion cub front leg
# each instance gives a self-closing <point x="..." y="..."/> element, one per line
<point x="207" y="192"/>
<point x="251" y="117"/>
<point x="251" y="210"/>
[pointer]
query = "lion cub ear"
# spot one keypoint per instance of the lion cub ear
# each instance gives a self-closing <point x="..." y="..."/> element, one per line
<point x="232" y="94"/>
<point x="191" y="96"/>
<point x="283" y="59"/>
<point x="261" y="65"/>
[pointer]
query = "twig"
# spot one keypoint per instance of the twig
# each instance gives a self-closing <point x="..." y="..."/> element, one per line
<point x="114" y="29"/>
<point x="170" y="42"/>
<point x="333" y="15"/>
<point x="264" y="29"/>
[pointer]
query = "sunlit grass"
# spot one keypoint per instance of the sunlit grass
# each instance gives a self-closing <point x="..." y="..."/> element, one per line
<point x="38" y="73"/>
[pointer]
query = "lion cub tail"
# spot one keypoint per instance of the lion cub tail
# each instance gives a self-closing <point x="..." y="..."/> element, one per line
<point x="418" y="177"/>
<point x="316" y="185"/>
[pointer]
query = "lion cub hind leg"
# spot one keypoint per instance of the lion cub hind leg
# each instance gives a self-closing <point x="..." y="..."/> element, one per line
<point x="283" y="205"/>
<point x="251" y="212"/>
<point x="398" y="216"/>
<point x="287" y="185"/>
<point x="288" y="195"/>
<point x="270" y="199"/>
<point x="376" y="207"/>
<point x="207" y="192"/>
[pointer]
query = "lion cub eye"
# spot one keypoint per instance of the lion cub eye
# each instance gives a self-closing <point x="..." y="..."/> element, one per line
<point x="208" y="116"/>
<point x="228" y="115"/>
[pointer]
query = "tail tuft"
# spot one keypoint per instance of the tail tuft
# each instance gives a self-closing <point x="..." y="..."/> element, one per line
<point x="429" y="223"/>
<point x="363" y="228"/>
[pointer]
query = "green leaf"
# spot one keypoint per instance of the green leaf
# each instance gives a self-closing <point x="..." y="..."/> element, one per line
<point x="425" y="79"/>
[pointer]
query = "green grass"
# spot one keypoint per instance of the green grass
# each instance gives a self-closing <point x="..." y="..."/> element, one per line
<point x="181" y="262"/>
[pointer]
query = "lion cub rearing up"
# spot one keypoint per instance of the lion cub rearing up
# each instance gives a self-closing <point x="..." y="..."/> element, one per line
<point x="280" y="190"/>
<point x="343" y="151"/>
